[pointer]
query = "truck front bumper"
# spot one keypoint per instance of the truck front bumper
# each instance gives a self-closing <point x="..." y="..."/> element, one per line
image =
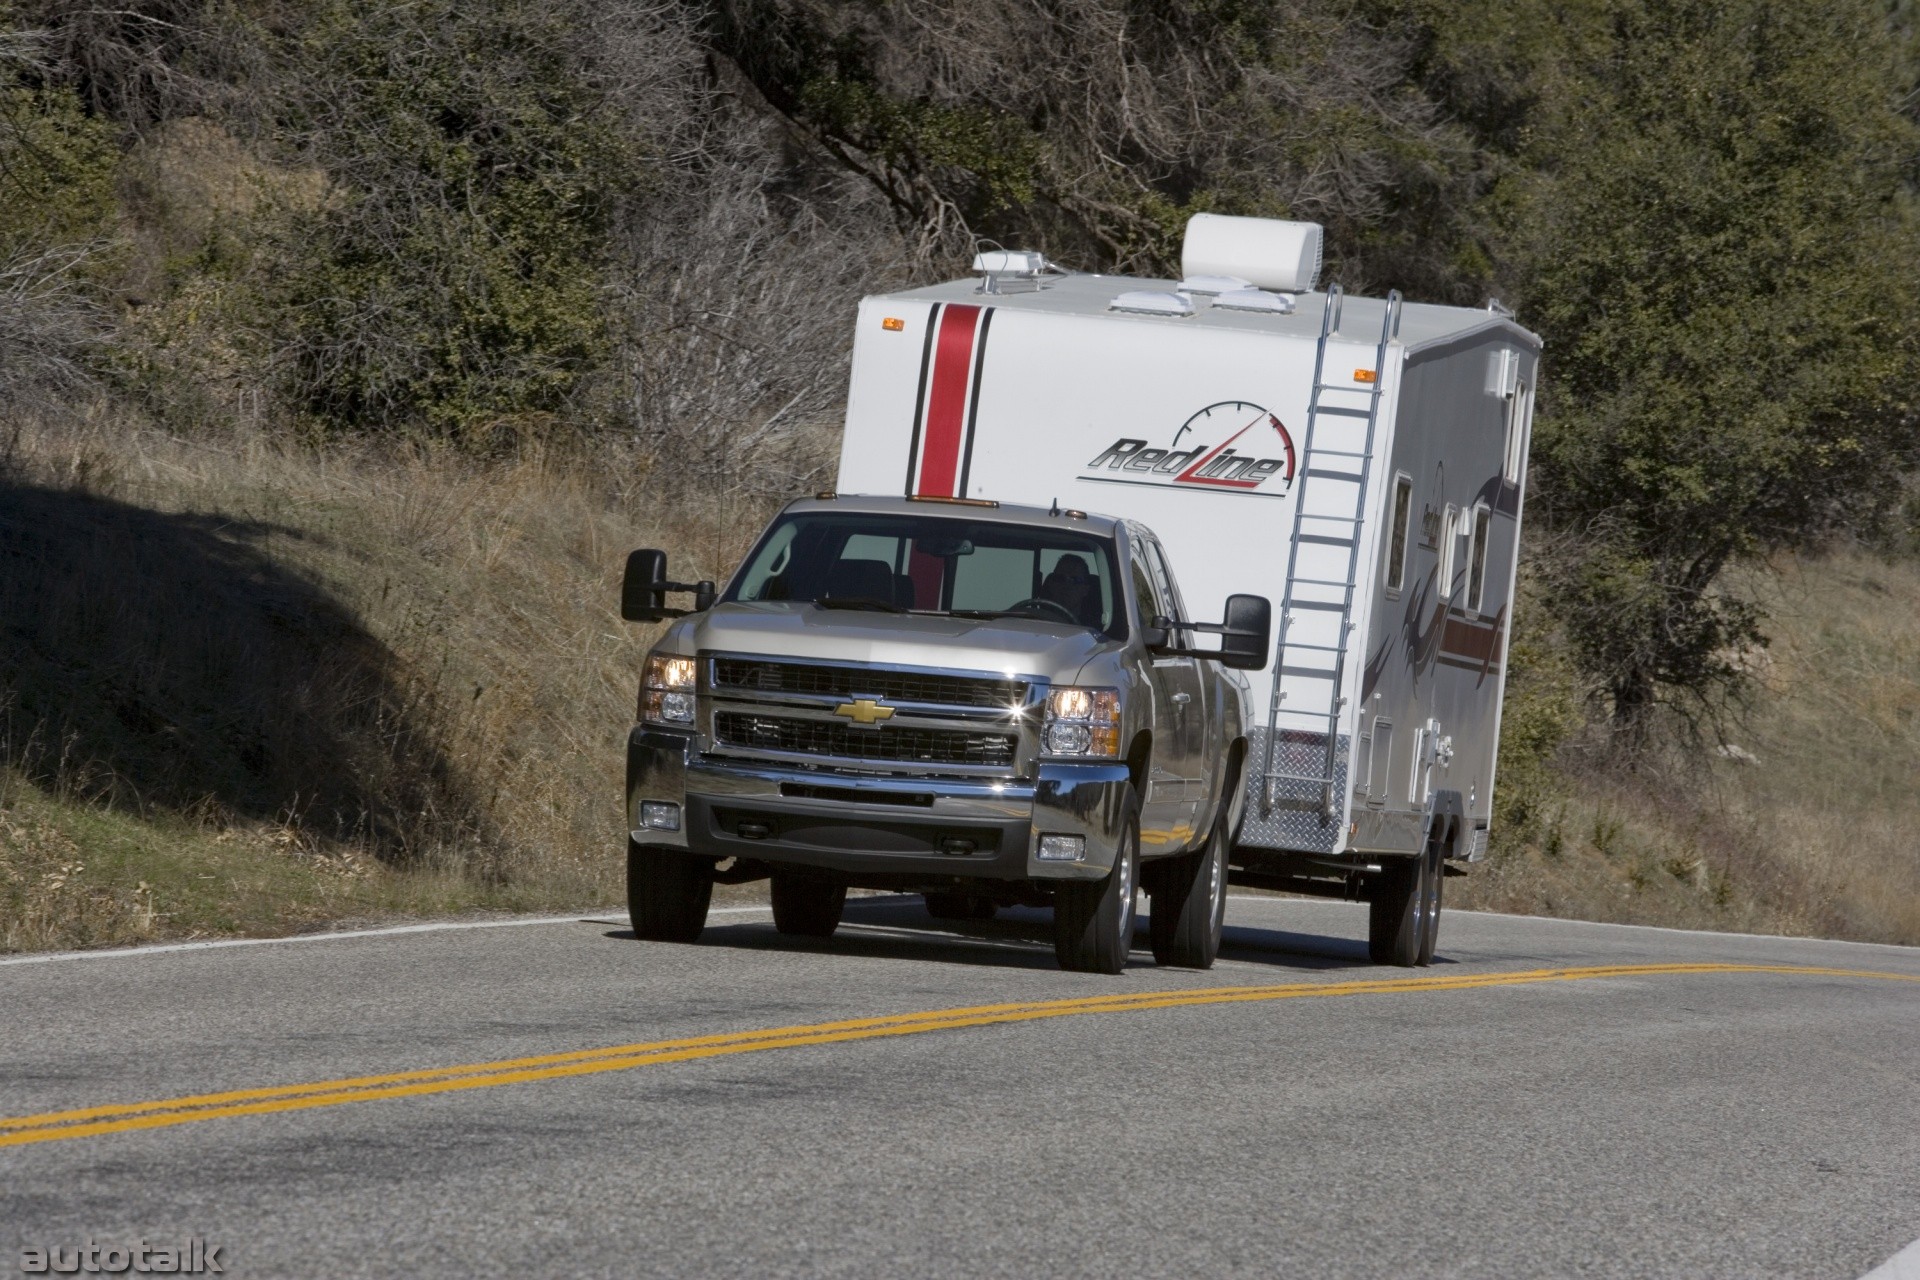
<point x="873" y="825"/>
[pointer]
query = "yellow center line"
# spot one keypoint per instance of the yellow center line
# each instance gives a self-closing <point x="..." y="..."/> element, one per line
<point x="54" y="1126"/>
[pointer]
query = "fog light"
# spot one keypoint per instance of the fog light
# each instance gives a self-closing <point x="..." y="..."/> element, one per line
<point x="1063" y="848"/>
<point x="658" y="815"/>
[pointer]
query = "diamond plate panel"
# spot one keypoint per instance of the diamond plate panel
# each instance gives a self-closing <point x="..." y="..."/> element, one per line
<point x="1295" y="817"/>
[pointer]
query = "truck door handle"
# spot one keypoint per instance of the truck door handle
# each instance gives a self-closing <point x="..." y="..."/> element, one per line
<point x="1182" y="699"/>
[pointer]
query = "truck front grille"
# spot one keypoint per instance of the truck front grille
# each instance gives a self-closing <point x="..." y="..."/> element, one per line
<point x="753" y="674"/>
<point x="902" y="745"/>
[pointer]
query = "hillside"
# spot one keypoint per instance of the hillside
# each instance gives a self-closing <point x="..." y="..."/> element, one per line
<point x="259" y="688"/>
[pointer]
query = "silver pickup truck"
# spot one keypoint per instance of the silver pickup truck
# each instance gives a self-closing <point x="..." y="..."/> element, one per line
<point x="984" y="704"/>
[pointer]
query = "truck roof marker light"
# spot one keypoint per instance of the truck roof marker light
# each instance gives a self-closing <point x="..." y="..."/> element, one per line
<point x="1153" y="302"/>
<point x="958" y="502"/>
<point x="825" y="495"/>
<point x="1071" y="514"/>
<point x="893" y="324"/>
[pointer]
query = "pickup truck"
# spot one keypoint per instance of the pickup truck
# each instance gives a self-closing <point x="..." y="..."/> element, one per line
<point x="987" y="705"/>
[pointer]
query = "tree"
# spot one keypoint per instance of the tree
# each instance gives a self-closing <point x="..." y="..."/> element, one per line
<point x="1711" y="225"/>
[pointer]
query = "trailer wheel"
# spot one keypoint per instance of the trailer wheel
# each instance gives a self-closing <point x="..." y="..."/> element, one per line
<point x="668" y="892"/>
<point x="1435" y="880"/>
<point x="1189" y="897"/>
<point x="1093" y="920"/>
<point x="1402" y="915"/>
<point x="807" y="908"/>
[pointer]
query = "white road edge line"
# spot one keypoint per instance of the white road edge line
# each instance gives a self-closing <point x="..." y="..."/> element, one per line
<point x="1598" y="924"/>
<point x="1904" y="1265"/>
<point x="116" y="953"/>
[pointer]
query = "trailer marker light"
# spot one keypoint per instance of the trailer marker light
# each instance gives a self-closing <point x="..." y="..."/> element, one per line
<point x="893" y="324"/>
<point x="1365" y="375"/>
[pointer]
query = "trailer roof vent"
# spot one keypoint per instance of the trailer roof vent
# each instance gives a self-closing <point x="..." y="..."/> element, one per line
<point x="1262" y="251"/>
<point x="1277" y="304"/>
<point x="1213" y="284"/>
<point x="1148" y="302"/>
<point x="1009" y="262"/>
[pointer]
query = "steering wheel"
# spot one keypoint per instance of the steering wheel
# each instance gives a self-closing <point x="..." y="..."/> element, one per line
<point x="1034" y="603"/>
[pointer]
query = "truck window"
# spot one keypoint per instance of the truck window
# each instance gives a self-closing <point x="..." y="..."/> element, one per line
<point x="1145" y="589"/>
<point x="1400" y="528"/>
<point x="1169" y="591"/>
<point x="932" y="564"/>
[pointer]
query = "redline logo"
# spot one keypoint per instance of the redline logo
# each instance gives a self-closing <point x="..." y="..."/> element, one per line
<point x="1222" y="466"/>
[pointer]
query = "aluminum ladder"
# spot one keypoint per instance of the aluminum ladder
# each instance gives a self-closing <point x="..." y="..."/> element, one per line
<point x="1316" y="613"/>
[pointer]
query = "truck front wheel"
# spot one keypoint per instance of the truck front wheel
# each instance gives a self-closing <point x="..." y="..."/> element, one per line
<point x="807" y="908"/>
<point x="667" y="893"/>
<point x="1093" y="920"/>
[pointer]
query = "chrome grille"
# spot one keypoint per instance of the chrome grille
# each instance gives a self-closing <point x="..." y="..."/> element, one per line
<point x="757" y="676"/>
<point x="893" y="743"/>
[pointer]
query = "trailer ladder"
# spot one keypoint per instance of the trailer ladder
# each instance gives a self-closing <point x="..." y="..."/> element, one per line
<point x="1316" y="612"/>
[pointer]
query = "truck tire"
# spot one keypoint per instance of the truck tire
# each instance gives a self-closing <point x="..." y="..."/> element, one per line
<point x="667" y="893"/>
<point x="1093" y="920"/>
<point x="1401" y="911"/>
<point x="1189" y="904"/>
<point x="807" y="908"/>
<point x="959" y="906"/>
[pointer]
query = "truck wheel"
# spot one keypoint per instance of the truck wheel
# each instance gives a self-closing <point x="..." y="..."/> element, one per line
<point x="1404" y="902"/>
<point x="807" y="908"/>
<point x="959" y="906"/>
<point x="667" y="893"/>
<point x="1093" y="920"/>
<point x="1189" y="900"/>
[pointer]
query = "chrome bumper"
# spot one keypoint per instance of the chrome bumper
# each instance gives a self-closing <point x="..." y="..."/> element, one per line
<point x="872" y="824"/>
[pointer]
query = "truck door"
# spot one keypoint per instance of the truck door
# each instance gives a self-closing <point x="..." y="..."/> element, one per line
<point x="1179" y="727"/>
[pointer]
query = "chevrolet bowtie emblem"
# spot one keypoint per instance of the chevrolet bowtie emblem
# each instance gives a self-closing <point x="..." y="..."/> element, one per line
<point x="864" y="711"/>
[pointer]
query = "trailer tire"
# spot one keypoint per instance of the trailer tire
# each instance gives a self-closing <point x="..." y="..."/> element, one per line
<point x="1093" y="919"/>
<point x="1189" y="904"/>
<point x="1401" y="923"/>
<point x="668" y="892"/>
<point x="806" y="908"/>
<point x="959" y="906"/>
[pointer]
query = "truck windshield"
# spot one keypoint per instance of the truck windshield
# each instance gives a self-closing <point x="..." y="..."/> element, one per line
<point x="932" y="564"/>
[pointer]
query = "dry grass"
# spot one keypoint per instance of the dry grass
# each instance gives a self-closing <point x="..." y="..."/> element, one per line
<point x="1808" y="823"/>
<point x="382" y="680"/>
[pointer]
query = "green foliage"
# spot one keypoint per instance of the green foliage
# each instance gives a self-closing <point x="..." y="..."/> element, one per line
<point x="56" y="170"/>
<point x="1712" y="234"/>
<point x="450" y="277"/>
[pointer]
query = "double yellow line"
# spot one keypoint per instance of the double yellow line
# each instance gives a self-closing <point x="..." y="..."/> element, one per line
<point x="87" y="1122"/>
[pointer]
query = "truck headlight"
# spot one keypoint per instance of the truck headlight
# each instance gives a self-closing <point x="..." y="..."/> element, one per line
<point x="666" y="690"/>
<point x="1082" y="722"/>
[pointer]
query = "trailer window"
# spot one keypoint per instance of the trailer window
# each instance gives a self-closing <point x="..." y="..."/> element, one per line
<point x="1449" y="536"/>
<point x="1519" y="420"/>
<point x="1477" y="558"/>
<point x="1400" y="530"/>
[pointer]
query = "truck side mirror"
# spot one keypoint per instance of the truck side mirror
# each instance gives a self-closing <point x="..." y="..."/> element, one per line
<point x="643" y="591"/>
<point x="1247" y="634"/>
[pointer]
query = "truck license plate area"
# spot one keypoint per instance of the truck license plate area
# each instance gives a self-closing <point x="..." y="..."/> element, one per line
<point x="825" y="832"/>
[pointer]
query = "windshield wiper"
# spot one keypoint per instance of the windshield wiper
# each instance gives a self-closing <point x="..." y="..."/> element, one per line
<point x="871" y="603"/>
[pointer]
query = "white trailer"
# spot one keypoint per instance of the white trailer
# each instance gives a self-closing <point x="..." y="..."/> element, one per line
<point x="1361" y="461"/>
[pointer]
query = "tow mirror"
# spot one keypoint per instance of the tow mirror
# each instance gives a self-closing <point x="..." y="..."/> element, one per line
<point x="1245" y="636"/>
<point x="643" y="590"/>
<point x="1247" y="633"/>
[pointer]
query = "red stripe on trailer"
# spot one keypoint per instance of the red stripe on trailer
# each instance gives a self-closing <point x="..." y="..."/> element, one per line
<point x="945" y="429"/>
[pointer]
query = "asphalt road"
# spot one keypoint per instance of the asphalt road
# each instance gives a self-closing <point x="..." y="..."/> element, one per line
<point x="1312" y="1116"/>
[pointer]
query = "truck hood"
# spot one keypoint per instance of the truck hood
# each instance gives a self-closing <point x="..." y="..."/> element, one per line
<point x="1012" y="646"/>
